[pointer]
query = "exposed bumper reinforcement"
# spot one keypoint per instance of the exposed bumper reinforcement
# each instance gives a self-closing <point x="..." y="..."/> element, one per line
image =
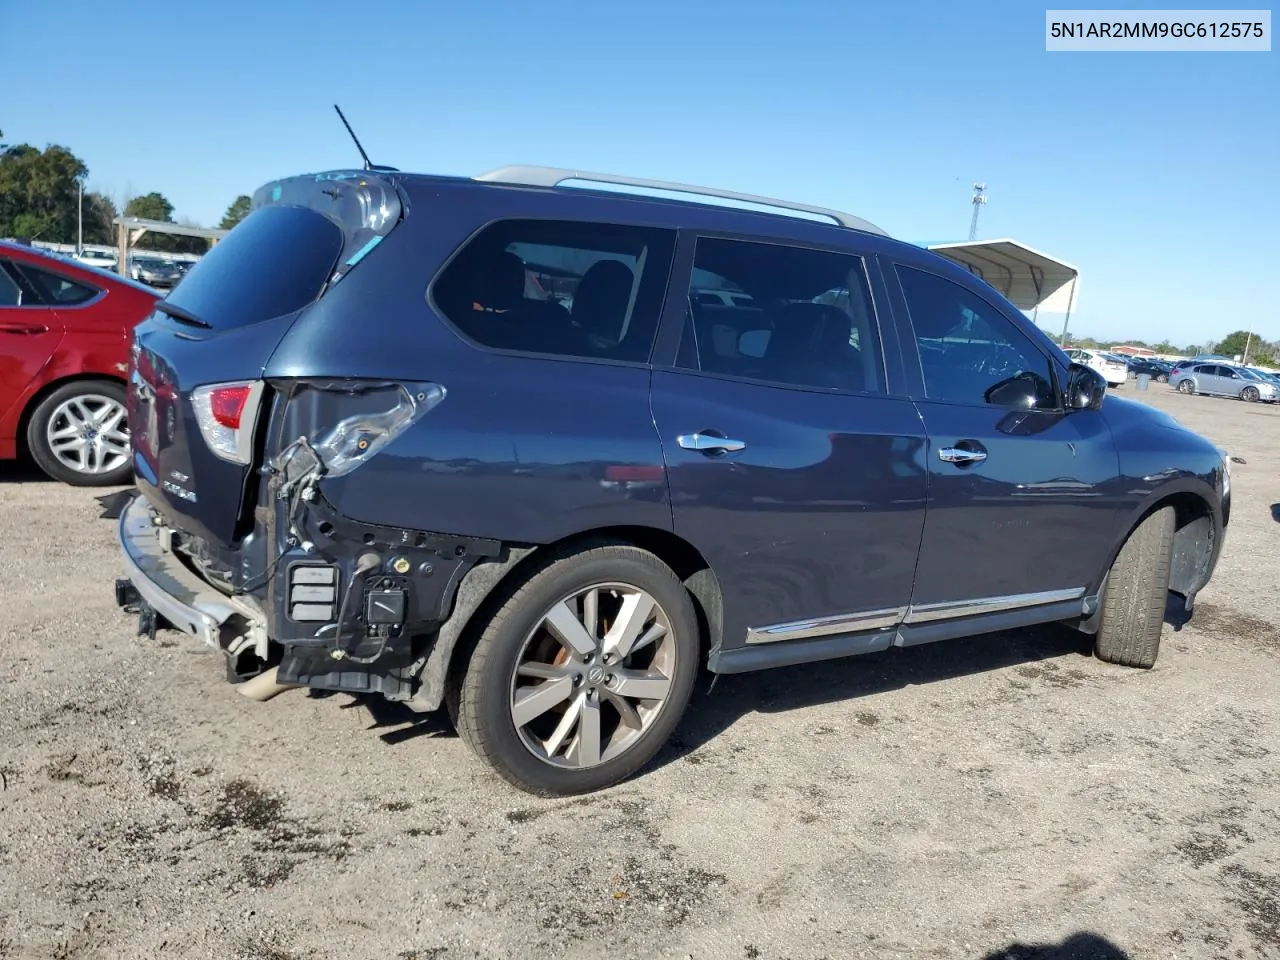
<point x="186" y="602"/>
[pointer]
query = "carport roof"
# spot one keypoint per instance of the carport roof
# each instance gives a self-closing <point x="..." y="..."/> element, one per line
<point x="1030" y="279"/>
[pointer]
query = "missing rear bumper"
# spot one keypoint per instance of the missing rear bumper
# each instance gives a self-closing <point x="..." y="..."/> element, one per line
<point x="160" y="586"/>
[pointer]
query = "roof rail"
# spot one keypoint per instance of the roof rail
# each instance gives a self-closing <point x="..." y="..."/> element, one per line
<point x="534" y="176"/>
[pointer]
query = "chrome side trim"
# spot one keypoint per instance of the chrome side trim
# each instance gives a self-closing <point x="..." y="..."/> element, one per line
<point x="952" y="609"/>
<point x="824" y="626"/>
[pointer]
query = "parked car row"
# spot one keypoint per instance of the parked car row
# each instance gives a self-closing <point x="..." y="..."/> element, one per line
<point x="155" y="271"/>
<point x="1226" y="380"/>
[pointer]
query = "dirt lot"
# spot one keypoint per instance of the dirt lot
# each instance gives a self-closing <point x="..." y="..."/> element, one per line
<point x="1002" y="797"/>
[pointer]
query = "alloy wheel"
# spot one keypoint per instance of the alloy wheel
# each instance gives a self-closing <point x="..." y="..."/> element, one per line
<point x="1249" y="393"/>
<point x="89" y="434"/>
<point x="593" y="675"/>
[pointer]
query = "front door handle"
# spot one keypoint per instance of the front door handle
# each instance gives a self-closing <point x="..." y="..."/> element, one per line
<point x="26" y="329"/>
<point x="709" y="443"/>
<point x="961" y="455"/>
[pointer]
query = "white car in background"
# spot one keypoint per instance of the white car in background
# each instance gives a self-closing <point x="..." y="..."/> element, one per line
<point x="1115" y="372"/>
<point x="94" y="258"/>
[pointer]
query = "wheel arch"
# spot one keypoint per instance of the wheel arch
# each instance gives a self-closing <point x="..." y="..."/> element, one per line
<point x="485" y="587"/>
<point x="1195" y="538"/>
<point x="34" y="401"/>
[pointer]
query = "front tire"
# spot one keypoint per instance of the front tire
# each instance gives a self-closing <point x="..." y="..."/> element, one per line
<point x="583" y="673"/>
<point x="1250" y="394"/>
<point x="79" y="434"/>
<point x="1134" y="598"/>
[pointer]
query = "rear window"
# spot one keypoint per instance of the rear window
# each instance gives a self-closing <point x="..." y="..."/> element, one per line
<point x="274" y="262"/>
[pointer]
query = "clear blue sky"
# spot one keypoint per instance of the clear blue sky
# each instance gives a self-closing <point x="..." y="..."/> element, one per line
<point x="1156" y="174"/>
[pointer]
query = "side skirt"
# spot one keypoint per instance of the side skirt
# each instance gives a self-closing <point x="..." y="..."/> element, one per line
<point x="914" y="626"/>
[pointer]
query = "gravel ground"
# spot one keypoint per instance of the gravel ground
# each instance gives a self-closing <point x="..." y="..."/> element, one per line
<point x="1006" y="796"/>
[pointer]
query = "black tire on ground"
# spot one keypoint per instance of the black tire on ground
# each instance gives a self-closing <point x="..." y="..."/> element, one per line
<point x="1250" y="394"/>
<point x="1186" y="386"/>
<point x="1133" y="601"/>
<point x="479" y="700"/>
<point x="1162" y="378"/>
<point x="38" y="442"/>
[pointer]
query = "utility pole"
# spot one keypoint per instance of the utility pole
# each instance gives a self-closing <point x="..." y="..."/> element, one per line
<point x="1247" y="341"/>
<point x="979" y="198"/>
<point x="79" y="216"/>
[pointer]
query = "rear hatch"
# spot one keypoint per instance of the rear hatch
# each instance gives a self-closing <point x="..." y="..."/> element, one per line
<point x="196" y="392"/>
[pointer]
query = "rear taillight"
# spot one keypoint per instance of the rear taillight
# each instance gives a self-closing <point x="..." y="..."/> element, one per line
<point x="227" y="404"/>
<point x="225" y="413"/>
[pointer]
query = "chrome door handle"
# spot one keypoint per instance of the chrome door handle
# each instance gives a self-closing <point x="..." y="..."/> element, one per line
<point x="959" y="455"/>
<point x="708" y="443"/>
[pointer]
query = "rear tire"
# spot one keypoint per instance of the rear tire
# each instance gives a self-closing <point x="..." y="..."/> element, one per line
<point x="599" y="748"/>
<point x="70" y="410"/>
<point x="1134" y="598"/>
<point x="1186" y="386"/>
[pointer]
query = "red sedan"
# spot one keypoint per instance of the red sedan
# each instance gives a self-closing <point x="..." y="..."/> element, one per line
<point x="64" y="357"/>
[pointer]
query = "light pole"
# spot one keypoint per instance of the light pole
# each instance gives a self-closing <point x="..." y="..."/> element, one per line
<point x="79" y="216"/>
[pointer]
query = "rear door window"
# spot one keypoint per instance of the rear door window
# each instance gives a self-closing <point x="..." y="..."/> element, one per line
<point x="276" y="261"/>
<point x="10" y="292"/>
<point x="781" y="314"/>
<point x="16" y="288"/>
<point x="561" y="288"/>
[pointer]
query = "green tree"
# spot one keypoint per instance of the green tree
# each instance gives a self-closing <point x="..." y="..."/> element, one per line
<point x="150" y="206"/>
<point x="38" y="192"/>
<point x="1234" y="343"/>
<point x="156" y="206"/>
<point x="238" y="210"/>
<point x="99" y="214"/>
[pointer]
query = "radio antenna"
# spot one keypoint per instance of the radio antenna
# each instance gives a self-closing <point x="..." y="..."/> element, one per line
<point x="354" y="139"/>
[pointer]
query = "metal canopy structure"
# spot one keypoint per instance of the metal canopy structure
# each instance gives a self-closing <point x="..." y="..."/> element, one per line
<point x="129" y="230"/>
<point x="1031" y="280"/>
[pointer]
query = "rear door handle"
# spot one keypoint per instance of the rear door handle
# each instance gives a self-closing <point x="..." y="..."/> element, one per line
<point x="709" y="443"/>
<point x="961" y="455"/>
<point x="23" y="329"/>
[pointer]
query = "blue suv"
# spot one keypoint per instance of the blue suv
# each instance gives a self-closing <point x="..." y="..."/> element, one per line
<point x="537" y="445"/>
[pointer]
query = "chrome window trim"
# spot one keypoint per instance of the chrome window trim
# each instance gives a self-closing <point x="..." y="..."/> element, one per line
<point x="894" y="616"/>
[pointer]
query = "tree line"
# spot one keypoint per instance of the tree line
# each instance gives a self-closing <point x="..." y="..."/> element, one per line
<point x="39" y="201"/>
<point x="1248" y="344"/>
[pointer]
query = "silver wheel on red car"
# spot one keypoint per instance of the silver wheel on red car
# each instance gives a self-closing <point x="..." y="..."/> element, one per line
<point x="582" y="674"/>
<point x="79" y="434"/>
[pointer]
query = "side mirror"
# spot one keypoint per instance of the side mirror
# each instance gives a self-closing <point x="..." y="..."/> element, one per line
<point x="1086" y="388"/>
